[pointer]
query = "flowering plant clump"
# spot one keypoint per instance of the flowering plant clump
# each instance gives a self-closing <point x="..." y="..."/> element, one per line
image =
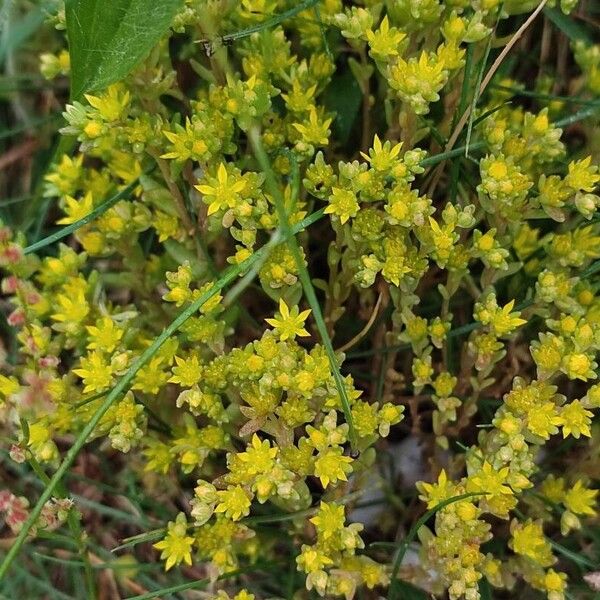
<point x="306" y="303"/>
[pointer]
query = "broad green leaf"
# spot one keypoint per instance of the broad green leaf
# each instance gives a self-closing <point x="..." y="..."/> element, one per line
<point x="108" y="39"/>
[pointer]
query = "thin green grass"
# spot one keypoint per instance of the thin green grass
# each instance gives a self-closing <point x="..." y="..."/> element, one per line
<point x="543" y="97"/>
<point x="41" y="585"/>
<point x="18" y="32"/>
<point x="268" y="24"/>
<point x="412" y="534"/>
<point x="477" y="89"/>
<point x="462" y="106"/>
<point x="190" y="585"/>
<point x="7" y="133"/>
<point x="98" y="211"/>
<point x="305" y="280"/>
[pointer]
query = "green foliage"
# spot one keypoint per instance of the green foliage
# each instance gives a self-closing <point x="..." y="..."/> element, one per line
<point x="268" y="236"/>
<point x="108" y="39"/>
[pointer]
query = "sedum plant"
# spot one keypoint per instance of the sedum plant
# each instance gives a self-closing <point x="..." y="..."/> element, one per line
<point x="302" y="236"/>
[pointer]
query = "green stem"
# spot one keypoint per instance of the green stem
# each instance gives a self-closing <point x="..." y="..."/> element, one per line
<point x="99" y="210"/>
<point x="309" y="291"/>
<point x="270" y="23"/>
<point x="182" y="587"/>
<point x="580" y="115"/>
<point x="405" y="543"/>
<point x="442" y="156"/>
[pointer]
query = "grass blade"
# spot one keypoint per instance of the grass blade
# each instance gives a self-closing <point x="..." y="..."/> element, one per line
<point x="99" y="210"/>
<point x="307" y="286"/>
<point x="580" y="115"/>
<point x="142" y="538"/>
<point x="268" y="24"/>
<point x="404" y="544"/>
<point x="578" y="559"/>
<point x="190" y="585"/>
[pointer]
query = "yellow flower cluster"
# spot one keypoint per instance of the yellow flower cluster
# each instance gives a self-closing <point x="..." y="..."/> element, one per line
<point x="453" y="305"/>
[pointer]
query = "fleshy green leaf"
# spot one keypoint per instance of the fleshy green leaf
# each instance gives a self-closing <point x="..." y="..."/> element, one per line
<point x="108" y="39"/>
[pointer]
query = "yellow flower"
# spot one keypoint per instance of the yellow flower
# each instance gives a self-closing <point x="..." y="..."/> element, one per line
<point x="224" y="193"/>
<point x="259" y="456"/>
<point x="329" y="520"/>
<point x="528" y="540"/>
<point x="418" y="80"/>
<point x="382" y="157"/>
<point x="187" y="372"/>
<point x="105" y="335"/>
<point x="501" y="320"/>
<point x="8" y="386"/>
<point x="300" y="99"/>
<point x="66" y="175"/>
<point x="74" y="307"/>
<point x="158" y="456"/>
<point x="579" y="365"/>
<point x="580" y="500"/>
<point x="111" y="104"/>
<point x="289" y="324"/>
<point x="443" y="239"/>
<point x="385" y="42"/>
<point x="176" y="546"/>
<point x="543" y="419"/>
<point x="553" y="488"/>
<point x="575" y="420"/>
<point x="555" y="583"/>
<point x="342" y="204"/>
<point x="332" y="466"/>
<point x="234" y="502"/>
<point x="76" y="209"/>
<point x="312" y="559"/>
<point x="315" y="132"/>
<point x="489" y="481"/>
<point x="151" y="378"/>
<point x="167" y="226"/>
<point x="40" y="442"/>
<point x="582" y="175"/>
<point x="95" y="371"/>
<point x="434" y="493"/>
<point x="186" y="143"/>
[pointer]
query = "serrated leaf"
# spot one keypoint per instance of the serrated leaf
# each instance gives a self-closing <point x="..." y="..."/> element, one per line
<point x="108" y="39"/>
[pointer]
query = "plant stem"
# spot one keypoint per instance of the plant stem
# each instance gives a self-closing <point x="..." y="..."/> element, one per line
<point x="309" y="291"/>
<point x="99" y="210"/>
